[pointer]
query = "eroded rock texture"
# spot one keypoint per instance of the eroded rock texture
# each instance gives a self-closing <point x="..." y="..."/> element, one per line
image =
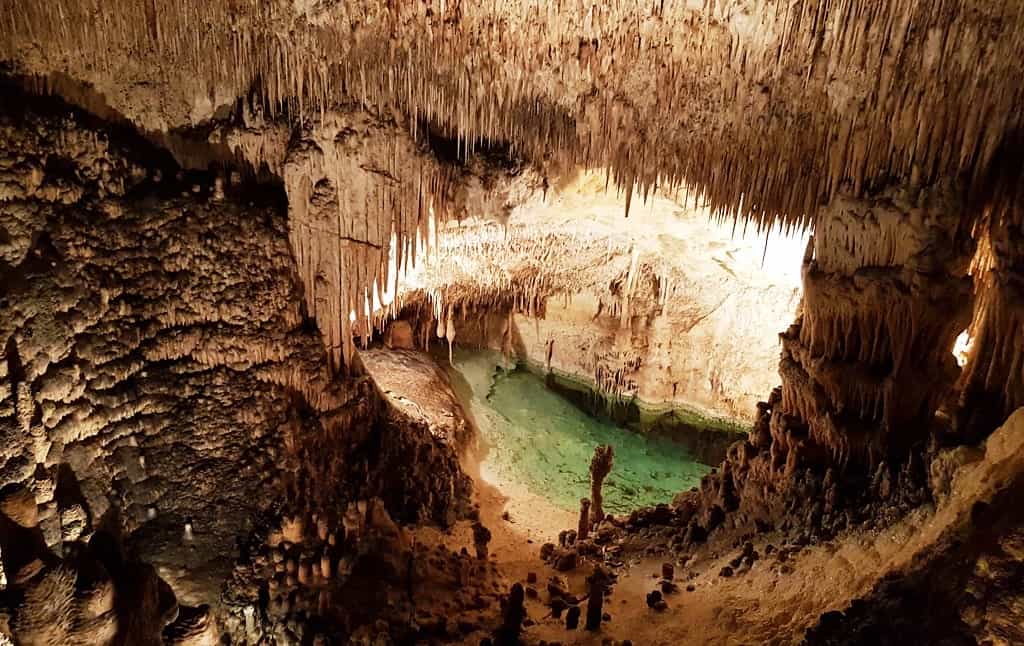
<point x="886" y="292"/>
<point x="968" y="582"/>
<point x="993" y="380"/>
<point x="665" y="309"/>
<point x="159" y="368"/>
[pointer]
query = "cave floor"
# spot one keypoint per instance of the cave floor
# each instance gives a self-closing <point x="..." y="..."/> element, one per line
<point x="771" y="601"/>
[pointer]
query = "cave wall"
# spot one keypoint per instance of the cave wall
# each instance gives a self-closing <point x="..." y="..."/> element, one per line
<point x="717" y="361"/>
<point x="848" y="437"/>
<point x="160" y="369"/>
<point x="364" y="200"/>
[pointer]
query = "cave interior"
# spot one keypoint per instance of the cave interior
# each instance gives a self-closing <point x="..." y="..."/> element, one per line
<point x="524" y="322"/>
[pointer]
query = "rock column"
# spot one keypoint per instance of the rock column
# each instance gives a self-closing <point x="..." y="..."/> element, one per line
<point x="886" y="293"/>
<point x="993" y="379"/>
<point x="600" y="467"/>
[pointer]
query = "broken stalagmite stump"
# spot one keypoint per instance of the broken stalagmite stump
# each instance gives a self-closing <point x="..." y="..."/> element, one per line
<point x="481" y="537"/>
<point x="512" y="620"/>
<point x="584" y="526"/>
<point x="572" y="618"/>
<point x="596" y="583"/>
<point x="600" y="467"/>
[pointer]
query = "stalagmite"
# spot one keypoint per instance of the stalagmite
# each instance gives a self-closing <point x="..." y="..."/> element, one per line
<point x="583" y="529"/>
<point x="596" y="583"/>
<point x="325" y="566"/>
<point x="512" y="618"/>
<point x="481" y="537"/>
<point x="600" y="467"/>
<point x="572" y="618"/>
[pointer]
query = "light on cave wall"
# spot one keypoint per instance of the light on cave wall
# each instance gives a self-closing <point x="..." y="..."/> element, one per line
<point x="781" y="258"/>
<point x="962" y="347"/>
<point x="720" y="295"/>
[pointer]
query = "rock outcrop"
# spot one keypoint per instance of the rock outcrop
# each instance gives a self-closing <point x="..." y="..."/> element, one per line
<point x="159" y="365"/>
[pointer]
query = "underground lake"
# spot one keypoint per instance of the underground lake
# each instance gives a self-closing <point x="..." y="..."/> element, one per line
<point x="538" y="440"/>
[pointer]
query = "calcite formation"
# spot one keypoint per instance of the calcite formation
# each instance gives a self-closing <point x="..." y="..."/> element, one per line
<point x="600" y="466"/>
<point x="765" y="109"/>
<point x="676" y="311"/>
<point x="98" y="594"/>
<point x="764" y="106"/>
<point x="159" y="369"/>
<point x="991" y="382"/>
<point x="886" y="292"/>
<point x="364" y="199"/>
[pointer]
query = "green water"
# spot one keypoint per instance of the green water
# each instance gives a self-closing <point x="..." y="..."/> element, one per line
<point x="538" y="439"/>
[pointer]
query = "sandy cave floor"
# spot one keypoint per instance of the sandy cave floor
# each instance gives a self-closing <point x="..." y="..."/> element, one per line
<point x="772" y="603"/>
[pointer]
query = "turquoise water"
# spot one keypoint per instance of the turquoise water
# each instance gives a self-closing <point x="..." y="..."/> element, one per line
<point x="536" y="438"/>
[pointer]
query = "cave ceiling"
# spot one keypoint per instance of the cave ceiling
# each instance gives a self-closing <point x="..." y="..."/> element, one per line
<point x="764" y="110"/>
<point x="765" y="107"/>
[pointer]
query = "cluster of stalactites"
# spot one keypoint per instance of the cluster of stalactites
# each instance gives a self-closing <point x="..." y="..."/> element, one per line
<point x="481" y="267"/>
<point x="886" y="292"/>
<point x="878" y="271"/>
<point x="995" y="362"/>
<point x="362" y="204"/>
<point x="614" y="374"/>
<point x="805" y="97"/>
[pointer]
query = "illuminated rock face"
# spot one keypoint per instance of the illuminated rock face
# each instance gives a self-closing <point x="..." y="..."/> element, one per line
<point x="663" y="309"/>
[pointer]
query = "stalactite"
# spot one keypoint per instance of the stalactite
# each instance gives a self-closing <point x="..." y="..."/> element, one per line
<point x="789" y="121"/>
<point x="885" y="293"/>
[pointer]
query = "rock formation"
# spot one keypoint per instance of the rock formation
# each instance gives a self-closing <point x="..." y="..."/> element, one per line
<point x="676" y="311"/>
<point x="159" y="364"/>
<point x="584" y="525"/>
<point x="600" y="467"/>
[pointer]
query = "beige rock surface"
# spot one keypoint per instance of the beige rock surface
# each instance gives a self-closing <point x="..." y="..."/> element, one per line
<point x="667" y="306"/>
